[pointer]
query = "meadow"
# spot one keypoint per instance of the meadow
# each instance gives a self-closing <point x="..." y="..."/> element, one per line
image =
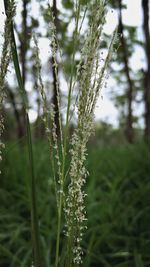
<point x="117" y="204"/>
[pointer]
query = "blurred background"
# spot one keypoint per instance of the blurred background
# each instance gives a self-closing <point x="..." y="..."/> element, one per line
<point x="118" y="187"/>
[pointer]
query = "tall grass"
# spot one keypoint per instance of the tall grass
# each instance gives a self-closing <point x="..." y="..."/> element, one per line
<point x="4" y="62"/>
<point x="34" y="217"/>
<point x="69" y="183"/>
<point x="90" y="78"/>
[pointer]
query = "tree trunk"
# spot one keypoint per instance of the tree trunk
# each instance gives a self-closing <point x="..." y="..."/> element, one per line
<point x="145" y="7"/>
<point x="24" y="39"/>
<point x="20" y="129"/>
<point x="55" y="76"/>
<point x="129" y="126"/>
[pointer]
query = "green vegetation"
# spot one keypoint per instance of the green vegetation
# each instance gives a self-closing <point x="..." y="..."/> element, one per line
<point x="47" y="196"/>
<point x="118" y="206"/>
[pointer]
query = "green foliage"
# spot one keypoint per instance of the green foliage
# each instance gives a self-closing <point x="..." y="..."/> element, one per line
<point x="118" y="206"/>
<point x="67" y="4"/>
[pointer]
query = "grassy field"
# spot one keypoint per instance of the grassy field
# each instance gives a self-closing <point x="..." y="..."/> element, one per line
<point x="118" y="207"/>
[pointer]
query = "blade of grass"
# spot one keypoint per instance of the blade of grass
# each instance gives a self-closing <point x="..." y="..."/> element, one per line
<point x="9" y="254"/>
<point x="34" y="217"/>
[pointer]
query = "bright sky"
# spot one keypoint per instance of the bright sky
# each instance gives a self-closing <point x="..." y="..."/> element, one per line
<point x="132" y="16"/>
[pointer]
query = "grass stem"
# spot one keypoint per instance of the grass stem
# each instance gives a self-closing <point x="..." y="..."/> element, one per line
<point x="34" y="217"/>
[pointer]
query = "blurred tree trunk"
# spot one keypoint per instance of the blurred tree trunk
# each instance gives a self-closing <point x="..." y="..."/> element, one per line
<point x="20" y="129"/>
<point x="55" y="76"/>
<point x="24" y="40"/>
<point x="24" y="47"/>
<point x="145" y="7"/>
<point x="129" y="123"/>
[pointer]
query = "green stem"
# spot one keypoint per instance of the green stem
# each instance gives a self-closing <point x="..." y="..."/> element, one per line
<point x="34" y="217"/>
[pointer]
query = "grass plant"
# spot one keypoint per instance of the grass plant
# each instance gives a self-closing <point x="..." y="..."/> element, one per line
<point x="34" y="218"/>
<point x="90" y="78"/>
<point x="4" y="63"/>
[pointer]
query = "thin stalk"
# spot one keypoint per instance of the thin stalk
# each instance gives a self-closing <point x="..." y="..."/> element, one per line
<point x="65" y="141"/>
<point x="34" y="217"/>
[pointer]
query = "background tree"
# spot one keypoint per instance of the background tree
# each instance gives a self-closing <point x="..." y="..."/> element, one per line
<point x="129" y="123"/>
<point x="128" y="80"/>
<point x="146" y="31"/>
<point x="23" y="32"/>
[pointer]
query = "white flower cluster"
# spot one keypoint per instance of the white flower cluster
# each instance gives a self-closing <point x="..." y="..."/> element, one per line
<point x="49" y="113"/>
<point x="91" y="73"/>
<point x="90" y="78"/>
<point x="4" y="62"/>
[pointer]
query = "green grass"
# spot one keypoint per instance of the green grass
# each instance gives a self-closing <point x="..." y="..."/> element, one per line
<point x="118" y="206"/>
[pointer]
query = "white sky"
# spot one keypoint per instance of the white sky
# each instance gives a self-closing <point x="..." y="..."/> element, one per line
<point x="132" y="16"/>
